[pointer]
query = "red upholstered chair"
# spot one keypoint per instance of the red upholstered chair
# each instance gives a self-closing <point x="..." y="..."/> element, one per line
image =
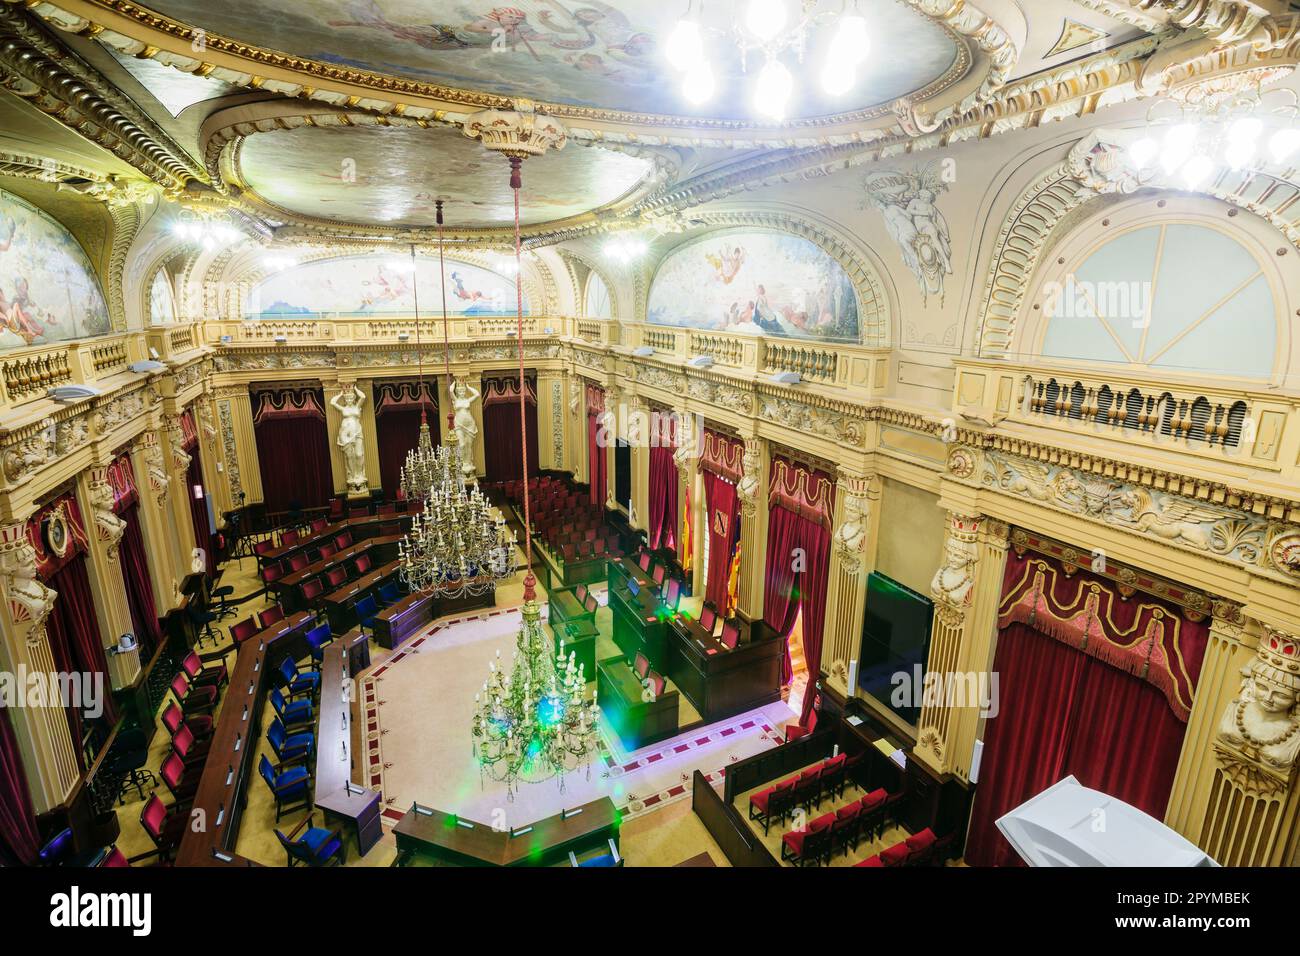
<point x="271" y="573"/>
<point x="335" y="577"/>
<point x="181" y="781"/>
<point x="731" y="637"/>
<point x="923" y="849"/>
<point x="569" y="553"/>
<point x="833" y="775"/>
<point x="641" y="666"/>
<point x="188" y="748"/>
<point x="261" y="547"/>
<point x="343" y="541"/>
<point x="657" y="683"/>
<point x="846" y="829"/>
<point x="871" y="823"/>
<point x="319" y="524"/>
<point x="590" y="534"/>
<point x="165" y="828"/>
<point x="772" y="804"/>
<point x="200" y="725"/>
<point x="297" y="562"/>
<point x="708" y="617"/>
<point x="643" y="560"/>
<point x="808" y="789"/>
<point x="336" y="509"/>
<point x="114" y="858"/>
<point x="896" y="855"/>
<point x="215" y="676"/>
<point x="289" y="537"/>
<point x="657" y="575"/>
<point x="363" y="564"/>
<point x="591" y="603"/>
<point x="672" y="593"/>
<point x="586" y="549"/>
<point x="243" y="630"/>
<point x="795" y="731"/>
<point x="272" y="615"/>
<point x="598" y="548"/>
<point x="327" y="550"/>
<point x="870" y="861"/>
<point x="193" y="700"/>
<point x="580" y="592"/>
<point x="810" y="846"/>
<point x="312" y="590"/>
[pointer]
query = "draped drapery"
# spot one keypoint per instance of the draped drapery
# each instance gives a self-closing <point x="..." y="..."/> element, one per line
<point x="293" y="450"/>
<point x="139" y="583"/>
<point x="73" y="631"/>
<point x="798" y="561"/>
<point x="663" y="483"/>
<point x="197" y="496"/>
<point x="597" y="461"/>
<point x="19" y="839"/>
<point x="722" y="514"/>
<point x="501" y="437"/>
<point x="398" y="407"/>
<point x="1072" y="700"/>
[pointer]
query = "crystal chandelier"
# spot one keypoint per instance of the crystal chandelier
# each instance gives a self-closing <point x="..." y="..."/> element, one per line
<point x="765" y="30"/>
<point x="535" y="722"/>
<point x="417" y="475"/>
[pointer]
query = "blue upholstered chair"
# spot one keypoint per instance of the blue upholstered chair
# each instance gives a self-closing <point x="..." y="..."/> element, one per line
<point x="389" y="594"/>
<point x="604" y="859"/>
<point x="366" y="610"/>
<point x="314" y="847"/>
<point x="289" y="747"/>
<point x="295" y="714"/>
<point x="297" y="682"/>
<point x="290" y="786"/>
<point x="319" y="638"/>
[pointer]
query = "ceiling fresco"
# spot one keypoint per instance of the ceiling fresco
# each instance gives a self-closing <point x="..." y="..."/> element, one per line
<point x="576" y="52"/>
<point x="390" y="176"/>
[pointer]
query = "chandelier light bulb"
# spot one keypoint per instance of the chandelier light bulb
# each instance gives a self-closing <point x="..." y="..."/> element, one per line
<point x="1144" y="152"/>
<point x="838" y="77"/>
<point x="1177" y="148"/>
<point x="1283" y="143"/>
<point x="1195" y="171"/>
<point x="772" y="91"/>
<point x="685" y="47"/>
<point x="850" y="43"/>
<point x="697" y="85"/>
<point x="765" y="18"/>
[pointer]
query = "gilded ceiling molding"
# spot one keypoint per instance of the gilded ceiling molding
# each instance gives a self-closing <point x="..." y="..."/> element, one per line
<point x="1096" y="168"/>
<point x="580" y="288"/>
<point x="108" y="189"/>
<point x="126" y="225"/>
<point x="135" y="31"/>
<point x="1125" y="12"/>
<point x="62" y="86"/>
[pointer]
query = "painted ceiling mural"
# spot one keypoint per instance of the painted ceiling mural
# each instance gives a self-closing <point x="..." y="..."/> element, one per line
<point x="580" y="52"/>
<point x="765" y="283"/>
<point x="382" y="284"/>
<point x="363" y="175"/>
<point x="48" y="288"/>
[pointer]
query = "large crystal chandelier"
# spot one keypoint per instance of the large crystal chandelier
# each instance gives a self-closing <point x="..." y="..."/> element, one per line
<point x="457" y="545"/>
<point x="534" y="722"/>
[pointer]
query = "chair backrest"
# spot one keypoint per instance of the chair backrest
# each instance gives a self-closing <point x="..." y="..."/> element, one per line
<point x="643" y="560"/>
<point x="153" y="816"/>
<point x="267" y="771"/>
<point x="591" y="603"/>
<point x="183" y="741"/>
<point x="730" y="634"/>
<point x="367" y="607"/>
<point x="171" y="771"/>
<point x="319" y="636"/>
<point x="172" y="717"/>
<point x="363" y="564"/>
<point x="320" y="524"/>
<point x="275" y="736"/>
<point x="114" y="858"/>
<point x="180" y="686"/>
<point x="191" y="664"/>
<point x="708" y="617"/>
<point x="312" y="589"/>
<point x="270" y="616"/>
<point x="336" y="576"/>
<point x="344" y="540"/>
<point x="298" y="561"/>
<point x="277" y="700"/>
<point x="580" y="592"/>
<point x="288" y="670"/>
<point x="641" y="666"/>
<point x="261" y="547"/>
<point x="569" y="552"/>
<point x="389" y="593"/>
<point x="599" y="548"/>
<point x="272" y="572"/>
<point x="657" y="575"/>
<point x="657" y="683"/>
<point x="328" y="550"/>
<point x="288" y="538"/>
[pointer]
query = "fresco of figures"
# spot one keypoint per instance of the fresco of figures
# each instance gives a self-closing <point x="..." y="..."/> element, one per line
<point x="162" y="307"/>
<point x="764" y="283"/>
<point x="48" y="288"/>
<point x="382" y="284"/>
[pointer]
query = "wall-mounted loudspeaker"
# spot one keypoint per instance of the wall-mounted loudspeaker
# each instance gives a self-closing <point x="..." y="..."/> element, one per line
<point x="976" y="753"/>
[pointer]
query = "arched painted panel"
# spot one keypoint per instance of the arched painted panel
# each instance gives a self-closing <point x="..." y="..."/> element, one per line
<point x="596" y="303"/>
<point x="381" y="284"/>
<point x="766" y="283"/>
<point x="48" y="288"/>
<point x="1177" y="296"/>
<point x="162" y="305"/>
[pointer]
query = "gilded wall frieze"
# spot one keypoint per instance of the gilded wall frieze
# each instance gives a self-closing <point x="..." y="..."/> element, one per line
<point x="813" y="420"/>
<point x="657" y="377"/>
<point x="228" y="448"/>
<point x="710" y="392"/>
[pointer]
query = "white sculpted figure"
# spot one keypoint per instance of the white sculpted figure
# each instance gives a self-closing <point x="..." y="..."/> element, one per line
<point x="30" y="601"/>
<point x="110" y="527"/>
<point x="908" y="201"/>
<point x="853" y="532"/>
<point x="351" y="440"/>
<point x="463" y="396"/>
<point x="1262" y="726"/>
<point x="955" y="578"/>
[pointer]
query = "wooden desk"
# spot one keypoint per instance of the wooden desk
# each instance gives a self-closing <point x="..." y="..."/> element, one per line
<point x="381" y="550"/>
<point x="544" y="843"/>
<point x="565" y="606"/>
<point x="624" y="568"/>
<point x="623" y="700"/>
<point x="396" y="623"/>
<point x="335" y="793"/>
<point x="578" y="638"/>
<point x="222" y="790"/>
<point x="339" y="604"/>
<point x="718" y="681"/>
<point x="640" y="623"/>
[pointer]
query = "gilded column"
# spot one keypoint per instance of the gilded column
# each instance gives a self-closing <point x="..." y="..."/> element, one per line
<point x="687" y="459"/>
<point x="1252" y="817"/>
<point x="577" y="443"/>
<point x="178" y="461"/>
<point x="856" y="519"/>
<point x="45" y="742"/>
<point x="370" y="436"/>
<point x="236" y="441"/>
<point x="212" y="460"/>
<point x="104" y="529"/>
<point x="157" y="520"/>
<point x="752" y="491"/>
<point x="550" y="421"/>
<point x="965" y="589"/>
<point x="637" y="432"/>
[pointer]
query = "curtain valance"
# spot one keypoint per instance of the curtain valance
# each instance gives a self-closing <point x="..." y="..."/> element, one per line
<point x="277" y="403"/>
<point x="121" y="477"/>
<point x="810" y="494"/>
<point x="506" y="389"/>
<point x="722" y="456"/>
<point x="400" y="396"/>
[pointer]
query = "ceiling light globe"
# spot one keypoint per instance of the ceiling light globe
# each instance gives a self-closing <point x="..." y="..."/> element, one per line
<point x="765" y="18"/>
<point x="1196" y="170"/>
<point x="685" y="47"/>
<point x="850" y="44"/>
<point x="1177" y="147"/>
<point x="1238" y="155"/>
<point x="772" y="91"/>
<point x="1283" y="143"/>
<point x="838" y="77"/>
<point x="1143" y="152"/>
<point x="697" y="84"/>
<point x="1245" y="130"/>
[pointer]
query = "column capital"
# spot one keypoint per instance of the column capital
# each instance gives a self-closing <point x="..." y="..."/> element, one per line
<point x="28" y="601"/>
<point x="750" y="487"/>
<point x="954" y="580"/>
<point x="109" y="528"/>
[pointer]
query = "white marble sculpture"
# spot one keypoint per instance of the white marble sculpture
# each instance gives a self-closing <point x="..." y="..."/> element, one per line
<point x="351" y="439"/>
<point x="463" y="396"/>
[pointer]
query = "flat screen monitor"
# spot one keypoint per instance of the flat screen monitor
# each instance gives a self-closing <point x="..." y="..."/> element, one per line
<point x="633" y="586"/>
<point x="895" y="645"/>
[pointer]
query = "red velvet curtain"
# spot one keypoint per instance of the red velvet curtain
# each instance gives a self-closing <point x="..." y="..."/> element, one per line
<point x="73" y="631"/>
<point x="797" y="575"/>
<point x="139" y="583"/>
<point x="398" y="431"/>
<point x="663" y="498"/>
<point x="199" y="509"/>
<point x="294" y="455"/>
<point x="501" y="439"/>
<point x="19" y="840"/>
<point x="597" y="462"/>
<point x="722" y="514"/>
<point x="1064" y="712"/>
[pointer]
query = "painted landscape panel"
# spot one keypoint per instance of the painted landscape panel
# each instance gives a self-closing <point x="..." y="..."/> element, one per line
<point x="48" y="288"/>
<point x="381" y="284"/>
<point x="765" y="283"/>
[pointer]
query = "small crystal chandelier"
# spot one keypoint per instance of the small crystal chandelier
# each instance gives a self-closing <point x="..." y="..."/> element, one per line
<point x="536" y="722"/>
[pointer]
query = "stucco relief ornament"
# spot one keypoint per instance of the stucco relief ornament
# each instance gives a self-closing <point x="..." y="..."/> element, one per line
<point x="521" y="131"/>
<point x="1284" y="552"/>
<point x="908" y="201"/>
<point x="351" y="440"/>
<point x="30" y="601"/>
<point x="1259" y="735"/>
<point x="961" y="462"/>
<point x="159" y="480"/>
<point x="575" y="397"/>
<point x="176" y="438"/>
<point x="852" y="533"/>
<point x="687" y="449"/>
<point x="27" y="455"/>
<point x="955" y="579"/>
<point x="1101" y="165"/>
<point x="108" y="526"/>
<point x="748" y="486"/>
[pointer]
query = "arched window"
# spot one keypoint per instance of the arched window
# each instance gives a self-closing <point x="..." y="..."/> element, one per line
<point x="162" y="304"/>
<point x="1175" y="296"/>
<point x="596" y="303"/>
